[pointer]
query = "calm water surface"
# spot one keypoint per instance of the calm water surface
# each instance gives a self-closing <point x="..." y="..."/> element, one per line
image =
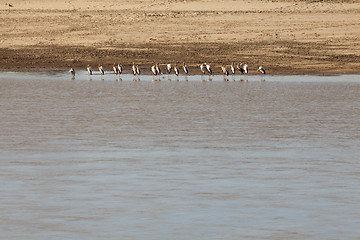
<point x="107" y="159"/>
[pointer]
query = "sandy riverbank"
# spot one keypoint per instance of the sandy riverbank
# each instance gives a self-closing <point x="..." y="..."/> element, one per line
<point x="286" y="37"/>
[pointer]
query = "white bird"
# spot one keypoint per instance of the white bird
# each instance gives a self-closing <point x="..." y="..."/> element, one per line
<point x="89" y="69"/>
<point x="101" y="69"/>
<point x="232" y="67"/>
<point x="72" y="71"/>
<point x="176" y="70"/>
<point x="225" y="70"/>
<point x="261" y="69"/>
<point x="186" y="69"/>
<point x="158" y="69"/>
<point x="137" y="69"/>
<point x="203" y="68"/>
<point x="116" y="70"/>
<point x="168" y="68"/>
<point x="154" y="71"/>
<point x="208" y="68"/>
<point x="246" y="68"/>
<point x="120" y="68"/>
<point x="133" y="69"/>
<point x="243" y="68"/>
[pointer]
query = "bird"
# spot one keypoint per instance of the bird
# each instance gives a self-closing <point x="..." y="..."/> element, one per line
<point x="158" y="69"/>
<point x="168" y="68"/>
<point x="225" y="70"/>
<point x="176" y="70"/>
<point x="203" y="68"/>
<point x="246" y="68"/>
<point x="137" y="69"/>
<point x="88" y="68"/>
<point x="116" y="70"/>
<point x="261" y="69"/>
<point x="72" y="71"/>
<point x="209" y="69"/>
<point x="133" y="69"/>
<point x="241" y="69"/>
<point x="232" y="67"/>
<point x="101" y="69"/>
<point x="186" y="69"/>
<point x="120" y="68"/>
<point x="153" y="69"/>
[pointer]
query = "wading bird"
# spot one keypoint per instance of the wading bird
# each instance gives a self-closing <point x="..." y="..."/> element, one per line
<point x="176" y="70"/>
<point x="89" y="69"/>
<point x="72" y="71"/>
<point x="261" y="69"/>
<point x="168" y="68"/>
<point x="154" y="71"/>
<point x="209" y="69"/>
<point x="158" y="69"/>
<point x="120" y="68"/>
<point x="225" y="70"/>
<point x="137" y="69"/>
<point x="133" y="69"/>
<point x="203" y="68"/>
<point x="243" y="68"/>
<point x="233" y="68"/>
<point x="186" y="69"/>
<point x="101" y="69"/>
<point x="116" y="70"/>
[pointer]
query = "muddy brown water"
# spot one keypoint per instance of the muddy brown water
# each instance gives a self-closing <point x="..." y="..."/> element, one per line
<point x="273" y="159"/>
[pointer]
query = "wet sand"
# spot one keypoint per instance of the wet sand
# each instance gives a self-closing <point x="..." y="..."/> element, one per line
<point x="286" y="37"/>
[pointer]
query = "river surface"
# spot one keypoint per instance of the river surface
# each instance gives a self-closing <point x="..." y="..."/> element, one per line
<point x="277" y="157"/>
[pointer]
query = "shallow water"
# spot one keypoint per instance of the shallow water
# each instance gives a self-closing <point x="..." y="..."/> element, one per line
<point x="109" y="159"/>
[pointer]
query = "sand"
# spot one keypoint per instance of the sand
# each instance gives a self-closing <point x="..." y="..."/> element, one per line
<point x="284" y="36"/>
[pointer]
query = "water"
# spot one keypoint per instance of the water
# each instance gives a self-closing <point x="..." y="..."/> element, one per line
<point x="274" y="159"/>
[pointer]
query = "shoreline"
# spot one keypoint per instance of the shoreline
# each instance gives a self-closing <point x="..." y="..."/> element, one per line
<point x="147" y="72"/>
<point x="36" y="58"/>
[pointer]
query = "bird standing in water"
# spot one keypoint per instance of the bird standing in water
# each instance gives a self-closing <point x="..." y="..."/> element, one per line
<point x="72" y="71"/>
<point x="185" y="68"/>
<point x="243" y="68"/>
<point x="120" y="68"/>
<point x="89" y="69"/>
<point x="101" y="69"/>
<point x="158" y="69"/>
<point x="177" y="71"/>
<point x="168" y="68"/>
<point x="233" y="68"/>
<point x="203" y="68"/>
<point x="115" y="68"/>
<point x="225" y="71"/>
<point x="261" y="69"/>
<point x="208" y="68"/>
<point x="154" y="71"/>
<point x="133" y="69"/>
